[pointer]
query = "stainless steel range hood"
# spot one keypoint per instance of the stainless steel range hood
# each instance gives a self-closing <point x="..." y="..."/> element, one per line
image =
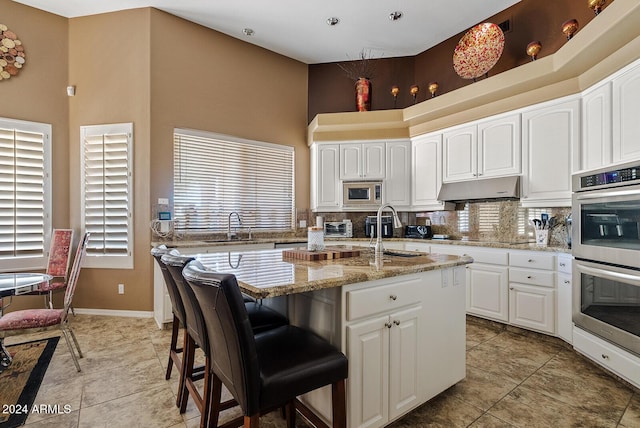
<point x="499" y="188"/>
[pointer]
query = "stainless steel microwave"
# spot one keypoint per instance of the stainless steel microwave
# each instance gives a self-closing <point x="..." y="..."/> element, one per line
<point x="361" y="193"/>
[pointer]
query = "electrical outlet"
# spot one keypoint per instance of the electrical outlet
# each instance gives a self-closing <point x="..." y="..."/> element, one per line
<point x="303" y="224"/>
<point x="120" y="288"/>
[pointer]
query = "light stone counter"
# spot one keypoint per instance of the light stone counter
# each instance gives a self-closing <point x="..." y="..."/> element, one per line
<point x="266" y="273"/>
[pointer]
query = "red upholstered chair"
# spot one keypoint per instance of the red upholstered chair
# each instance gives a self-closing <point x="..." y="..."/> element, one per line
<point x="40" y="318"/>
<point x="58" y="265"/>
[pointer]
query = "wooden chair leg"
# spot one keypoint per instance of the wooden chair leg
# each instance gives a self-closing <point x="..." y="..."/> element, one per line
<point x="339" y="404"/>
<point x="215" y="397"/>
<point x="206" y="395"/>
<point x="290" y="414"/>
<point x="175" y="329"/>
<point x="188" y="354"/>
<point x="252" y="421"/>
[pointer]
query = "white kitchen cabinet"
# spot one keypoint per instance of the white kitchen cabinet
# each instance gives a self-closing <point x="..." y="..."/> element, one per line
<point x="550" y="138"/>
<point x="564" y="298"/>
<point x="325" y="184"/>
<point x="487" y="291"/>
<point x="398" y="358"/>
<point x="626" y="111"/>
<point x="596" y="147"/>
<point x="499" y="146"/>
<point x="397" y="183"/>
<point x="362" y="161"/>
<point x="486" y="148"/>
<point x="487" y="280"/>
<point x="460" y="153"/>
<point x="426" y="172"/>
<point x="532" y="291"/>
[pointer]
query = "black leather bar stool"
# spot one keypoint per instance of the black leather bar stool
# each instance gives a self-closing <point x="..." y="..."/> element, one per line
<point x="176" y="307"/>
<point x="263" y="371"/>
<point x="263" y="319"/>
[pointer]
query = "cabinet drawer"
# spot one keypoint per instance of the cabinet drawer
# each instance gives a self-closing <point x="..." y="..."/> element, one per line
<point x="532" y="276"/>
<point x="532" y="260"/>
<point x="611" y="357"/>
<point x="564" y="263"/>
<point x="377" y="299"/>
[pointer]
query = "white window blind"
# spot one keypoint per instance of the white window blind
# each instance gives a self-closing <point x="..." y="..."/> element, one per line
<point x="107" y="195"/>
<point x="215" y="175"/>
<point x="25" y="194"/>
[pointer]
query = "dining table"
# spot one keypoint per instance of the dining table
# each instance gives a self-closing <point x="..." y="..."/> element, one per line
<point x="15" y="284"/>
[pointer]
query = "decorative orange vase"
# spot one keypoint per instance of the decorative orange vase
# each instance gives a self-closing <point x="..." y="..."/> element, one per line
<point x="363" y="94"/>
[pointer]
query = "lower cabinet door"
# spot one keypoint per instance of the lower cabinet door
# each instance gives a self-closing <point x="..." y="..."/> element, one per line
<point x="368" y="383"/>
<point x="532" y="307"/>
<point x="488" y="291"/>
<point x="404" y="361"/>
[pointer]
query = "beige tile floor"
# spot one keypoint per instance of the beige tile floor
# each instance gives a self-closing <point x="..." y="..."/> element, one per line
<point x="514" y="379"/>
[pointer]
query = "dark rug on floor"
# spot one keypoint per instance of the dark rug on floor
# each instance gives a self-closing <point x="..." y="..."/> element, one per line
<point x="19" y="383"/>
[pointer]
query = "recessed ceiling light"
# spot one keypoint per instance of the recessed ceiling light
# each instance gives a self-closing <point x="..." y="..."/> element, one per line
<point x="248" y="32"/>
<point x="394" y="16"/>
<point x="332" y="21"/>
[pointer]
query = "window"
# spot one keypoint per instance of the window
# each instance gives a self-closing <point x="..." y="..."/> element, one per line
<point x="107" y="197"/>
<point x="215" y="175"/>
<point x="25" y="194"/>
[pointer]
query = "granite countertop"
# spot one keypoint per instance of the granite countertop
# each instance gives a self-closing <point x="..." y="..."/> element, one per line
<point x="266" y="273"/>
<point x="285" y="239"/>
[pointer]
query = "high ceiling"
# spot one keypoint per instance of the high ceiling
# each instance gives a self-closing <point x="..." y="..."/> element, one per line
<point x="299" y="29"/>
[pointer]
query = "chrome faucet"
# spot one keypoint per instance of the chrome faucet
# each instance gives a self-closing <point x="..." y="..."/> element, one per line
<point x="379" y="249"/>
<point x="231" y="235"/>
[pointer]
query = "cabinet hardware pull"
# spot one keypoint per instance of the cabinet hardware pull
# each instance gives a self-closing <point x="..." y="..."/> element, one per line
<point x="396" y="322"/>
<point x="562" y="264"/>
<point x="530" y="260"/>
<point x="510" y="288"/>
<point x="387" y="324"/>
<point x="529" y="277"/>
<point x="566" y="281"/>
<point x="393" y="297"/>
<point x="605" y="356"/>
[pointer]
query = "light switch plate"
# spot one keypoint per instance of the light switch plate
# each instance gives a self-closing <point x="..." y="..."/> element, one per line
<point x="163" y="201"/>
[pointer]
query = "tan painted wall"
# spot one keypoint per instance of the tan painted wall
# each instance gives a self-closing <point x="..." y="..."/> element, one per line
<point x="159" y="72"/>
<point x="109" y="64"/>
<point x="38" y="94"/>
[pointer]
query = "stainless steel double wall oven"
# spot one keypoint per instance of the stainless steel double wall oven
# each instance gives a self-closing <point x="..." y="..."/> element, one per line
<point x="606" y="247"/>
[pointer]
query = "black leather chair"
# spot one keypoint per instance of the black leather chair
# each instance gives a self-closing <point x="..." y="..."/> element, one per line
<point x="264" y="371"/>
<point x="262" y="319"/>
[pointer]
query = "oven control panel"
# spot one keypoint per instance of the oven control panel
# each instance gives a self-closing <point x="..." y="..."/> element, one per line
<point x="627" y="175"/>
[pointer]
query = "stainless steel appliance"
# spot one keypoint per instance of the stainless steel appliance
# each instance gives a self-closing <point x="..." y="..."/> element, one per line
<point x="606" y="247"/>
<point x="418" y="232"/>
<point x="361" y="194"/>
<point x="338" y="229"/>
<point x="370" y="227"/>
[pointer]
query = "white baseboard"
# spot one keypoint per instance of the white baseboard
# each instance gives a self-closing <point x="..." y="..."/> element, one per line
<point x="114" y="313"/>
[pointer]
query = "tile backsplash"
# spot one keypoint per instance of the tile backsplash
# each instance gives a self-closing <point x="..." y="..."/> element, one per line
<point x="501" y="221"/>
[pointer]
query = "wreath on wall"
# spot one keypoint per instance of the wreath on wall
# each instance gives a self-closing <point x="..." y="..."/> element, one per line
<point x="12" y="56"/>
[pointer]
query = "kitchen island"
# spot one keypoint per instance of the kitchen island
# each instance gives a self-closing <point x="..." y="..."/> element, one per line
<point x="399" y="318"/>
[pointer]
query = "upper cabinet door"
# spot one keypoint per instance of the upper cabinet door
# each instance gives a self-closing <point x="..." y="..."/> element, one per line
<point x="499" y="144"/>
<point x="373" y="161"/>
<point x="550" y="136"/>
<point x="596" y="146"/>
<point x="325" y="186"/>
<point x="460" y="154"/>
<point x="626" y="115"/>
<point x="397" y="183"/>
<point x="362" y="161"/>
<point x="350" y="161"/>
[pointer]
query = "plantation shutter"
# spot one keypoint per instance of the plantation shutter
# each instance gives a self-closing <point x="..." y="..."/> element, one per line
<point x="215" y="175"/>
<point x="107" y="194"/>
<point x="25" y="200"/>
